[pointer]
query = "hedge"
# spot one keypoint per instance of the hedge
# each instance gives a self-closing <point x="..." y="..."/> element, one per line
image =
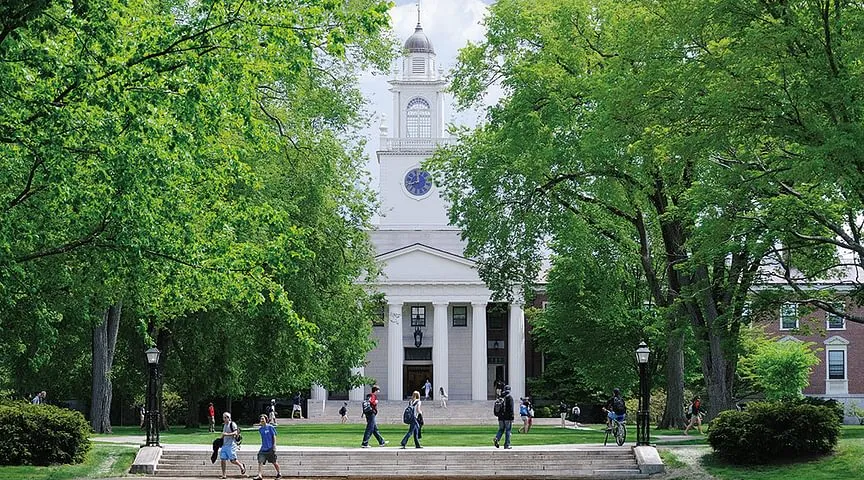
<point x="768" y="432"/>
<point x="42" y="435"/>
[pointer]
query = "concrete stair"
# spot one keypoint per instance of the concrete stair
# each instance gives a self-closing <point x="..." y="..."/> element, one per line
<point x="570" y="462"/>
<point x="458" y="412"/>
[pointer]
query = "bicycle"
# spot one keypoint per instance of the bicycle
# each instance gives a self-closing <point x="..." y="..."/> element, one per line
<point x="618" y="429"/>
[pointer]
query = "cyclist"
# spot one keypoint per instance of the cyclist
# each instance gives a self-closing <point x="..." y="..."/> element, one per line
<point x="615" y="408"/>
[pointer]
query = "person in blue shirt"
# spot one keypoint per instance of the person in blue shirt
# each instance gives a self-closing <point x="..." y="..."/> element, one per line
<point x="267" y="453"/>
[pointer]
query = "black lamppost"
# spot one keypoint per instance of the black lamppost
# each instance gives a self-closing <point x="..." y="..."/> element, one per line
<point x="151" y="416"/>
<point x="643" y="419"/>
<point x="418" y="337"/>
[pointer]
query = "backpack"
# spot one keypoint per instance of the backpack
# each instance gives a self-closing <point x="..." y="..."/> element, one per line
<point x="618" y="405"/>
<point x="498" y="407"/>
<point x="367" y="407"/>
<point x="342" y="410"/>
<point x="408" y="414"/>
<point x="576" y="411"/>
<point x="238" y="439"/>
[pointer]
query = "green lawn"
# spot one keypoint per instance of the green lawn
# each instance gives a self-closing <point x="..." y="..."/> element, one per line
<point x="847" y="462"/>
<point x="350" y="435"/>
<point x="103" y="461"/>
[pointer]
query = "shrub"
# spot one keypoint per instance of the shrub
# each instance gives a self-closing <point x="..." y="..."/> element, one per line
<point x="42" y="435"/>
<point x="829" y="403"/>
<point x="766" y="432"/>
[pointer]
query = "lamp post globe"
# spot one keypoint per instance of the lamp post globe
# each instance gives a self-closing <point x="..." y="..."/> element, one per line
<point x="151" y="415"/>
<point x="643" y="420"/>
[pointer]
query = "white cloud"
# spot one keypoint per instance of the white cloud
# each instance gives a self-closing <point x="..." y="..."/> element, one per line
<point x="450" y="25"/>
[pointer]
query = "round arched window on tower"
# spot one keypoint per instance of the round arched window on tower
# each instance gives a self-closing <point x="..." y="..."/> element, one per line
<point x="419" y="118"/>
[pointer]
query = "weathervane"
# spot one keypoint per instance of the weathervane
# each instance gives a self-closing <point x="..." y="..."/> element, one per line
<point x="418" y="12"/>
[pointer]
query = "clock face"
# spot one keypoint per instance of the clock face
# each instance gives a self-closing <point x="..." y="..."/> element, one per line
<point x="418" y="182"/>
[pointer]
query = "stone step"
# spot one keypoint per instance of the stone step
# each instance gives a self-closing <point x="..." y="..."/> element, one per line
<point x="590" y="462"/>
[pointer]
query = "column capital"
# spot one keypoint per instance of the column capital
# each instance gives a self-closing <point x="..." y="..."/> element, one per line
<point x="436" y="302"/>
<point x="479" y="303"/>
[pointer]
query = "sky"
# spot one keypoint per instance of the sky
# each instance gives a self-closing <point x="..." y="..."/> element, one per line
<point x="450" y="25"/>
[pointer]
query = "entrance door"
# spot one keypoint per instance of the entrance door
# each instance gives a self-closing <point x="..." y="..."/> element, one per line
<point x="415" y="376"/>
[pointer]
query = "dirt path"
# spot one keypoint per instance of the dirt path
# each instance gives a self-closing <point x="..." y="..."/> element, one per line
<point x="692" y="458"/>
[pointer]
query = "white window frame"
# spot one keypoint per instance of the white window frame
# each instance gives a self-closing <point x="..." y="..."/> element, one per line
<point x="418" y="118"/>
<point x="828" y="317"/>
<point x="418" y="315"/>
<point x="784" y="313"/>
<point x="837" y="386"/>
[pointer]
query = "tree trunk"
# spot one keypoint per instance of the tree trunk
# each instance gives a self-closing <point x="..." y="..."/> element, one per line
<point x="104" y="342"/>
<point x="718" y="377"/>
<point x="192" y="400"/>
<point x="163" y="343"/>
<point x="673" y="413"/>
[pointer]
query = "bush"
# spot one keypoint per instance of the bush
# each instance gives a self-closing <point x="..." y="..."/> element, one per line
<point x="830" y="403"/>
<point x="42" y="435"/>
<point x="767" y="432"/>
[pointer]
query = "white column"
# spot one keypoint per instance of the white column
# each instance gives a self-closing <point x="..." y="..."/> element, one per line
<point x="440" y="349"/>
<point x="479" y="369"/>
<point x="395" y="352"/>
<point x="356" y="394"/>
<point x="318" y="393"/>
<point x="516" y="351"/>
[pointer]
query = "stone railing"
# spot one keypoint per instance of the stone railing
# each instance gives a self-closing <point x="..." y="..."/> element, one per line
<point x="412" y="144"/>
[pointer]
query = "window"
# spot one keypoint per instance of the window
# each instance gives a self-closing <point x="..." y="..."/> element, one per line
<point x="836" y="365"/>
<point x="418" y="316"/>
<point x="460" y="316"/>
<point x="418" y="118"/>
<point x="788" y="316"/>
<point x="835" y="322"/>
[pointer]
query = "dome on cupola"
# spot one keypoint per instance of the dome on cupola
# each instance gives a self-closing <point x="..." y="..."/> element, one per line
<point x="419" y="42"/>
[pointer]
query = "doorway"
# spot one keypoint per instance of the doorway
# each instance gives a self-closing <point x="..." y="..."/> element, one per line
<point x="415" y="376"/>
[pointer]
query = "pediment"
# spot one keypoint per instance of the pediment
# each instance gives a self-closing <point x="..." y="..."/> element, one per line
<point x="836" y="340"/>
<point x="420" y="263"/>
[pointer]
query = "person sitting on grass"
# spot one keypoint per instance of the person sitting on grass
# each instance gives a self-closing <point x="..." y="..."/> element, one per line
<point x="267" y="452"/>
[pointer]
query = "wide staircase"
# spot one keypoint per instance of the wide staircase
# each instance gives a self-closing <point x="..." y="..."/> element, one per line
<point x="548" y="462"/>
<point x="458" y="412"/>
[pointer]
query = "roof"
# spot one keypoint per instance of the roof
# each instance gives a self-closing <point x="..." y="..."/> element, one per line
<point x="419" y="42"/>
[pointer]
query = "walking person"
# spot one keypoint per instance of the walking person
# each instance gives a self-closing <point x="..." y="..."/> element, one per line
<point x="267" y="452"/>
<point x="523" y="414"/>
<point x="530" y="414"/>
<point x="412" y="411"/>
<point x="343" y="412"/>
<point x="563" y="410"/>
<point x="694" y="415"/>
<point x="576" y="411"/>
<point x="211" y="417"/>
<point x="271" y="412"/>
<point x="370" y="411"/>
<point x="40" y="398"/>
<point x="296" y="407"/>
<point x="504" y="411"/>
<point x="442" y="396"/>
<point x="228" y="452"/>
<point x="427" y="389"/>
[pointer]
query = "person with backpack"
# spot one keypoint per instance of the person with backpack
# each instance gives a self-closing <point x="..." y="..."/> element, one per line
<point x="523" y="414"/>
<point x="370" y="411"/>
<point x="575" y="412"/>
<point x="343" y="412"/>
<point x="615" y="408"/>
<point x="694" y="415"/>
<point x="563" y="410"/>
<point x="503" y="409"/>
<point x="267" y="452"/>
<point x="230" y="444"/>
<point x="410" y="417"/>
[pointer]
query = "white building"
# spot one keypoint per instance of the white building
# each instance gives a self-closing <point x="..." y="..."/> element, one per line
<point x="439" y="321"/>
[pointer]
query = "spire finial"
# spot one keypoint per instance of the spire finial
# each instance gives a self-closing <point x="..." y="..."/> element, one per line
<point x="418" y="13"/>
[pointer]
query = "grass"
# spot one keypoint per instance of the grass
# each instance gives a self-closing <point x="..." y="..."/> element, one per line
<point x="670" y="459"/>
<point x="846" y="462"/>
<point x="350" y="435"/>
<point x="102" y="461"/>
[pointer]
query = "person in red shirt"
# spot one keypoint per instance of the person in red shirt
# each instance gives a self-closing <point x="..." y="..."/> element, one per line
<point x="371" y="424"/>
<point x="211" y="417"/>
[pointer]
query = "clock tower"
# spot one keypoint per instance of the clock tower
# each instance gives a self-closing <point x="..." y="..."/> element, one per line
<point x="409" y="198"/>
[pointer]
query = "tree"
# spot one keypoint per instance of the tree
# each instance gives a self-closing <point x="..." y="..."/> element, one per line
<point x="129" y="139"/>
<point x="780" y="369"/>
<point x="597" y="123"/>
